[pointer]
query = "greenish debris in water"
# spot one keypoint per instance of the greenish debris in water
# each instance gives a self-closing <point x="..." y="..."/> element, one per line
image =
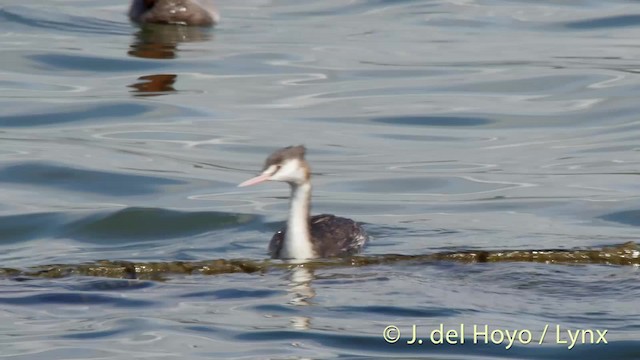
<point x="624" y="254"/>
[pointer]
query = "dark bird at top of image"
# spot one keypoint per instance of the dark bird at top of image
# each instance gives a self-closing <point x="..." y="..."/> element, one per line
<point x="179" y="12"/>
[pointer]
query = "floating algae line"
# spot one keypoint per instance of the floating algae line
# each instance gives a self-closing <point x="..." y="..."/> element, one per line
<point x="624" y="254"/>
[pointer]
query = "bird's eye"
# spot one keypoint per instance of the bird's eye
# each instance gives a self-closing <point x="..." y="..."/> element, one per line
<point x="278" y="168"/>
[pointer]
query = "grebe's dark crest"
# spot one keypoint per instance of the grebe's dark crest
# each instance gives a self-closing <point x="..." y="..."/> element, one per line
<point x="184" y="12"/>
<point x="306" y="237"/>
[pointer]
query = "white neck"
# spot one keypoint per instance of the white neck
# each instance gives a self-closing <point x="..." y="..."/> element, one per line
<point x="297" y="241"/>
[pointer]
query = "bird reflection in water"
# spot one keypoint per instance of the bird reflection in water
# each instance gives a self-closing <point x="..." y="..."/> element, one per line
<point x="302" y="293"/>
<point x="160" y="39"/>
<point x="161" y="42"/>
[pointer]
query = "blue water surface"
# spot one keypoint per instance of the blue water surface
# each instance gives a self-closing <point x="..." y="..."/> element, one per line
<point x="441" y="125"/>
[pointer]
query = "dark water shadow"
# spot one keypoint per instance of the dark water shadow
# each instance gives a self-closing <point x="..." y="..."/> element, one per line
<point x="432" y="120"/>
<point x="396" y="311"/>
<point x="630" y="217"/>
<point x="105" y="285"/>
<point x="128" y="225"/>
<point x="618" y="21"/>
<point x="232" y="293"/>
<point x="76" y="113"/>
<point x="18" y="228"/>
<point x="81" y="180"/>
<point x="142" y="224"/>
<point x="74" y="299"/>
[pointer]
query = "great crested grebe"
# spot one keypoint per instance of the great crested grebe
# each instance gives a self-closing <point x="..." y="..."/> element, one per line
<point x="184" y="12"/>
<point x="306" y="237"/>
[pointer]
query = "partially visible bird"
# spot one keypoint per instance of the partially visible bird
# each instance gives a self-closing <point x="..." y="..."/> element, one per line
<point x="182" y="12"/>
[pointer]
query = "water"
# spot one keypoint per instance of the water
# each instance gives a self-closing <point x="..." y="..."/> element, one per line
<point x="442" y="125"/>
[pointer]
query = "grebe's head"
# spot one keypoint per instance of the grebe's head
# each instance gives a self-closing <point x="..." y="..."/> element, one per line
<point x="183" y="12"/>
<point x="287" y="164"/>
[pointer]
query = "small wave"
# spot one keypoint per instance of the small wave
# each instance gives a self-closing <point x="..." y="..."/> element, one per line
<point x="56" y="20"/>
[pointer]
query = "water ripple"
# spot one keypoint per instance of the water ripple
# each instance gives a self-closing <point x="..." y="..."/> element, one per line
<point x="74" y="179"/>
<point x="73" y="114"/>
<point x="617" y="21"/>
<point x="440" y="125"/>
<point x="629" y="217"/>
<point x="432" y="121"/>
<point x="52" y="19"/>
<point x="74" y="299"/>
<point x="150" y="224"/>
